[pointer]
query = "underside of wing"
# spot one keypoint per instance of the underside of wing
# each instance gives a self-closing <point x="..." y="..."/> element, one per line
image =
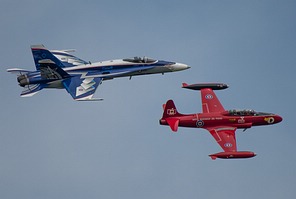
<point x="225" y="137"/>
<point x="82" y="89"/>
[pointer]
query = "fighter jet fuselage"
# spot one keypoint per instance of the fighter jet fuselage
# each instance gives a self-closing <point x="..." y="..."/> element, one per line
<point x="58" y="69"/>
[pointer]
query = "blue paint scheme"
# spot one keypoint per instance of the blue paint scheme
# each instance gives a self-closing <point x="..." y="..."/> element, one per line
<point x="72" y="83"/>
<point x="59" y="69"/>
<point x="41" y="54"/>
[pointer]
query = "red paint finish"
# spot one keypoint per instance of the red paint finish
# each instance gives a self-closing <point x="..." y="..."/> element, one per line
<point x="220" y="123"/>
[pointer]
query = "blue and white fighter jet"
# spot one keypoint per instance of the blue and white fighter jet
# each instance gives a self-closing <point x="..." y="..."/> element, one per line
<point x="59" y="69"/>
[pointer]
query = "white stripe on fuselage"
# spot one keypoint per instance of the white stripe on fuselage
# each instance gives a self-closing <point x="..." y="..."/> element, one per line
<point x="118" y="62"/>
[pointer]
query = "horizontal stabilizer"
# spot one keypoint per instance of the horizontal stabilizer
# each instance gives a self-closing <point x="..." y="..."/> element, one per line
<point x="40" y="53"/>
<point x="213" y="86"/>
<point x="91" y="99"/>
<point x="17" y="71"/>
<point x="174" y="123"/>
<point x="31" y="90"/>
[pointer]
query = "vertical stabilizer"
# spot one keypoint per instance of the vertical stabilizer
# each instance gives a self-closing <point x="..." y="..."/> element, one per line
<point x="170" y="115"/>
<point x="170" y="110"/>
<point x="67" y="59"/>
<point x="40" y="53"/>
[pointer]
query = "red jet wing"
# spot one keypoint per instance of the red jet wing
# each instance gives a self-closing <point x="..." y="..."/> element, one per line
<point x="210" y="102"/>
<point x="225" y="137"/>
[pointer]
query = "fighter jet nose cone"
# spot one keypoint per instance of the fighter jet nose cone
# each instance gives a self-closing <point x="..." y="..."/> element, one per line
<point x="179" y="66"/>
<point x="186" y="66"/>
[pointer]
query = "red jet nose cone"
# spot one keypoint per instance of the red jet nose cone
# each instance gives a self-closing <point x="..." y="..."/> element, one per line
<point x="278" y="119"/>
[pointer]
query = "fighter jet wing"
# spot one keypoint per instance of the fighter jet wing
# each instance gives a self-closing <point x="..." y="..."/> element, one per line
<point x="82" y="89"/>
<point x="225" y="137"/>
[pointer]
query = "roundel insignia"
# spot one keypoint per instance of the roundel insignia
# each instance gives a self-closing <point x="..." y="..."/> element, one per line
<point x="228" y="145"/>
<point x="209" y="96"/>
<point x="43" y="55"/>
<point x="199" y="123"/>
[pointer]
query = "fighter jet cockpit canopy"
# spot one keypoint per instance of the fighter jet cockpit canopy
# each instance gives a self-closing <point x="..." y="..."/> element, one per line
<point x="247" y="112"/>
<point x="140" y="60"/>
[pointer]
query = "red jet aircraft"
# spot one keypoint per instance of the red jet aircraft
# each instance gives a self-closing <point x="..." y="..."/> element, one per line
<point x="221" y="123"/>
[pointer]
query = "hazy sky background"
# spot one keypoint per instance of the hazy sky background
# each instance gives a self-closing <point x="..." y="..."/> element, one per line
<point x="54" y="147"/>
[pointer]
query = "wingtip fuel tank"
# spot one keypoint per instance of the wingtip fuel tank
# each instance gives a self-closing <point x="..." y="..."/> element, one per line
<point x="233" y="155"/>
<point x="199" y="86"/>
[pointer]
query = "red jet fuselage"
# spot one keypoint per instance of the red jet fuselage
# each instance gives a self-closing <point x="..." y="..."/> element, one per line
<point x="208" y="120"/>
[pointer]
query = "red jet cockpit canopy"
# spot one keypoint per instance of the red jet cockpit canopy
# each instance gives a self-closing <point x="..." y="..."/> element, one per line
<point x="247" y="112"/>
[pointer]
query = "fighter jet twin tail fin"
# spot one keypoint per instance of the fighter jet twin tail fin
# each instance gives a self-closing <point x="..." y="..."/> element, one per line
<point x="51" y="74"/>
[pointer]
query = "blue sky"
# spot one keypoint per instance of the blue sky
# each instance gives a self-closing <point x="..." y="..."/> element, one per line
<point x="54" y="147"/>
